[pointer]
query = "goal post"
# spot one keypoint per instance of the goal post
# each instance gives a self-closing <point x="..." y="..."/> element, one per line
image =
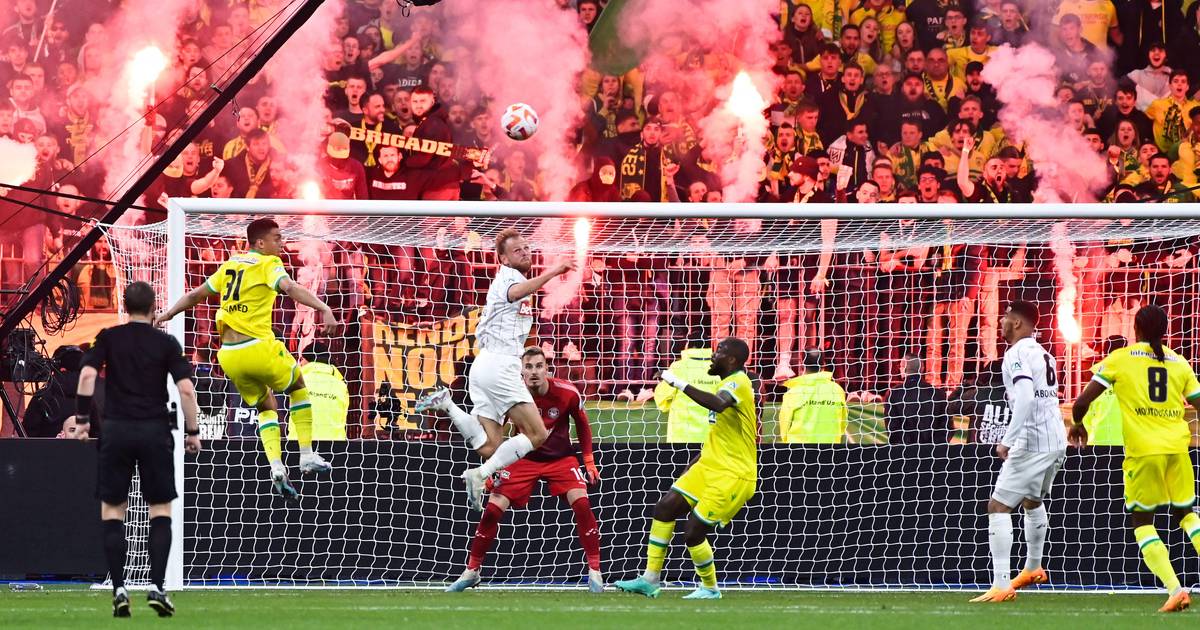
<point x="886" y="294"/>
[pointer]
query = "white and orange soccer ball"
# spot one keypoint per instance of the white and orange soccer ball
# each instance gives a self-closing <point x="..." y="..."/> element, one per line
<point x="519" y="121"/>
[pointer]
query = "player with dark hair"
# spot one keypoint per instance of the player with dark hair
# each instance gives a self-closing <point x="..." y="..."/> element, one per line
<point x="259" y="364"/>
<point x="553" y="462"/>
<point x="495" y="378"/>
<point x="1151" y="382"/>
<point x="137" y="359"/>
<point x="1033" y="450"/>
<point x="717" y="484"/>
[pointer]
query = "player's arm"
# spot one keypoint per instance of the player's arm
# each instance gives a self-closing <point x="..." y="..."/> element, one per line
<point x="180" y="369"/>
<point x="1078" y="436"/>
<point x="965" y="185"/>
<point x="1021" y="404"/>
<point x="583" y="430"/>
<point x="716" y="403"/>
<point x="187" y="302"/>
<point x="301" y="294"/>
<point x="521" y="290"/>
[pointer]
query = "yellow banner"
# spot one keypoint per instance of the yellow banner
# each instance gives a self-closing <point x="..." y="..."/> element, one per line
<point x="416" y="358"/>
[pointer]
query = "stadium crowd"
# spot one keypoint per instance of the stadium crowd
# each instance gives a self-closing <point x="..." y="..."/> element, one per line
<point x="881" y="101"/>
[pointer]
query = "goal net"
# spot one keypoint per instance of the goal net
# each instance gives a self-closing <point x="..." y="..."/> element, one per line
<point x="901" y="313"/>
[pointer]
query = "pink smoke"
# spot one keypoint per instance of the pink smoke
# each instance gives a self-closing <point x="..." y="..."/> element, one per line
<point x="735" y="36"/>
<point x="139" y="24"/>
<point x="296" y="81"/>
<point x="528" y="51"/>
<point x="1025" y="80"/>
<point x="18" y="162"/>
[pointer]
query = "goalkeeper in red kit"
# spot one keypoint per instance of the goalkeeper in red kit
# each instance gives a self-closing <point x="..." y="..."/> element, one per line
<point x="554" y="461"/>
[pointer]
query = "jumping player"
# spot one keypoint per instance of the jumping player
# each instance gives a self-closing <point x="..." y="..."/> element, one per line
<point x="554" y="462"/>
<point x="495" y="379"/>
<point x="259" y="364"/>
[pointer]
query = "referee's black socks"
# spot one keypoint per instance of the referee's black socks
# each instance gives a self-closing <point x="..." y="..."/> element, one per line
<point x="160" y="548"/>
<point x="113" y="532"/>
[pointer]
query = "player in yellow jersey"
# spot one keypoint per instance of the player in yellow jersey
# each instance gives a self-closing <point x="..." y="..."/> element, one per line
<point x="1151" y="383"/>
<point x="259" y="364"/>
<point x="718" y="483"/>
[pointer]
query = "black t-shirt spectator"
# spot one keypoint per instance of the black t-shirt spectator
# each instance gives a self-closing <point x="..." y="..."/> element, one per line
<point x="381" y="186"/>
<point x="1106" y="124"/>
<point x="916" y="413"/>
<point x="136" y="359"/>
<point x="405" y="77"/>
<point x="928" y="18"/>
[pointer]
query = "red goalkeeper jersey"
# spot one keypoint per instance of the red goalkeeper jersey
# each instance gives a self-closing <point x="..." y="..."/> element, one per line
<point x="561" y="401"/>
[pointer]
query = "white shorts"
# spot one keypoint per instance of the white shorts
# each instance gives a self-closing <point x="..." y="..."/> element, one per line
<point x="1027" y="475"/>
<point x="495" y="385"/>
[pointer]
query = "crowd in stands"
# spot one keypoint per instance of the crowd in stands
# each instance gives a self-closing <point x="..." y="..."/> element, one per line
<point x="881" y="101"/>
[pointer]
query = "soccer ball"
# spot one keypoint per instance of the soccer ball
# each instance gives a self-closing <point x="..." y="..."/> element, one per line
<point x="519" y="121"/>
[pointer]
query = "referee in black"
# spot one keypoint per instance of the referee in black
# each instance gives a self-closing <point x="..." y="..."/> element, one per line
<point x="137" y="358"/>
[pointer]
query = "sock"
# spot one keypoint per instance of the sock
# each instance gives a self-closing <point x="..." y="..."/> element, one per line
<point x="160" y="548"/>
<point x="656" y="550"/>
<point x="1037" y="527"/>
<point x="1191" y="527"/>
<point x="268" y="432"/>
<point x="510" y="451"/>
<point x="485" y="535"/>
<point x="589" y="531"/>
<point x="468" y="426"/>
<point x="1000" y="539"/>
<point x="1156" y="556"/>
<point x="113" y="532"/>
<point x="300" y="415"/>
<point x="706" y="568"/>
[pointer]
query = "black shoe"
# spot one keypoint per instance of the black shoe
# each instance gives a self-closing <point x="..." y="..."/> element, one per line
<point x="120" y="603"/>
<point x="161" y="604"/>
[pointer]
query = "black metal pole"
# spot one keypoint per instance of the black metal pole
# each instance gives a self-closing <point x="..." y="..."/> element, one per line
<point x="224" y="96"/>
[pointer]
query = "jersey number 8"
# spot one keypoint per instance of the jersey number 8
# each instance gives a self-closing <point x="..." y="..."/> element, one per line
<point x="1157" y="378"/>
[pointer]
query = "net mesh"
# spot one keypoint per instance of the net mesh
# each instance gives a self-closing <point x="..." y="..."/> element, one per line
<point x="877" y="299"/>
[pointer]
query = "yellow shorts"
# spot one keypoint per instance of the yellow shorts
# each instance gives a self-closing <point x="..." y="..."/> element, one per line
<point x="715" y="496"/>
<point x="258" y="366"/>
<point x="1156" y="481"/>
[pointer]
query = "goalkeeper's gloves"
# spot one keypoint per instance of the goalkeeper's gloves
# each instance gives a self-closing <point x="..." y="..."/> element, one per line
<point x="669" y="378"/>
<point x="593" y="473"/>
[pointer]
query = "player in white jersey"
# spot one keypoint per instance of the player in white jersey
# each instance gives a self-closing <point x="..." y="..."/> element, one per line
<point x="1033" y="450"/>
<point x="495" y="382"/>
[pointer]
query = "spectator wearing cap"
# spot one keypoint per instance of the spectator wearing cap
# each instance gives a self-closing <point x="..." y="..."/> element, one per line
<point x="646" y="166"/>
<point x="979" y="49"/>
<point x="249" y="172"/>
<point x="342" y="177"/>
<point x="985" y="92"/>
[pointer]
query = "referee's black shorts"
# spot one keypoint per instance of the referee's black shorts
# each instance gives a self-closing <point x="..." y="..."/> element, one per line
<point x="145" y="443"/>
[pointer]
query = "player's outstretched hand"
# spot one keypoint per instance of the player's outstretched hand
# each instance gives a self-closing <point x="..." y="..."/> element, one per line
<point x="668" y="377"/>
<point x="564" y="267"/>
<point x="1078" y="436"/>
<point x="191" y="444"/>
<point x="328" y="322"/>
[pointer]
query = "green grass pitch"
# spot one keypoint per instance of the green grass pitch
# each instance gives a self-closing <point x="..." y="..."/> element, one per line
<point x="529" y="609"/>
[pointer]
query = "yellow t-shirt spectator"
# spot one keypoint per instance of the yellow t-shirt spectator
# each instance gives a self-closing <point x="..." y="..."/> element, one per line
<point x="1095" y="16"/>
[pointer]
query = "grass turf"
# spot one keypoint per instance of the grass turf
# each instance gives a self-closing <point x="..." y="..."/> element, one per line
<point x="492" y="609"/>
